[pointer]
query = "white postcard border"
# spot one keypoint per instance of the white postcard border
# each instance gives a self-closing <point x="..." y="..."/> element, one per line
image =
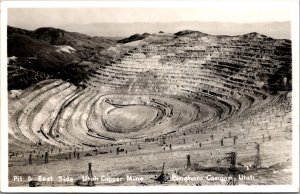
<point x="108" y="189"/>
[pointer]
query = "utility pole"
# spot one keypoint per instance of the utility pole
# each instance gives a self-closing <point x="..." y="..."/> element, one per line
<point x="162" y="177"/>
<point x="46" y="157"/>
<point x="30" y="158"/>
<point x="188" y="162"/>
<point x="233" y="172"/>
<point x="90" y="175"/>
<point x="257" y="160"/>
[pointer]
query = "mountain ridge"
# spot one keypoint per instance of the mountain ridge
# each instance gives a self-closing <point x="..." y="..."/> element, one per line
<point x="277" y="30"/>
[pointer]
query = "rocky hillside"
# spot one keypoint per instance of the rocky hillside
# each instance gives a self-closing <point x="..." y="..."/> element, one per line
<point x="54" y="53"/>
<point x="191" y="60"/>
<point x="49" y="52"/>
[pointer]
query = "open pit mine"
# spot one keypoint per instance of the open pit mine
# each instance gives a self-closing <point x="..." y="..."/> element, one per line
<point x="175" y="109"/>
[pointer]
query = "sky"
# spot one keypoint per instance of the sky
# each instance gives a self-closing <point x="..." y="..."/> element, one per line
<point x="31" y="18"/>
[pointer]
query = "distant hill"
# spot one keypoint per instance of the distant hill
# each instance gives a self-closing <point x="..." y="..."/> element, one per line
<point x="84" y="45"/>
<point x="278" y="30"/>
<point x="134" y="37"/>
